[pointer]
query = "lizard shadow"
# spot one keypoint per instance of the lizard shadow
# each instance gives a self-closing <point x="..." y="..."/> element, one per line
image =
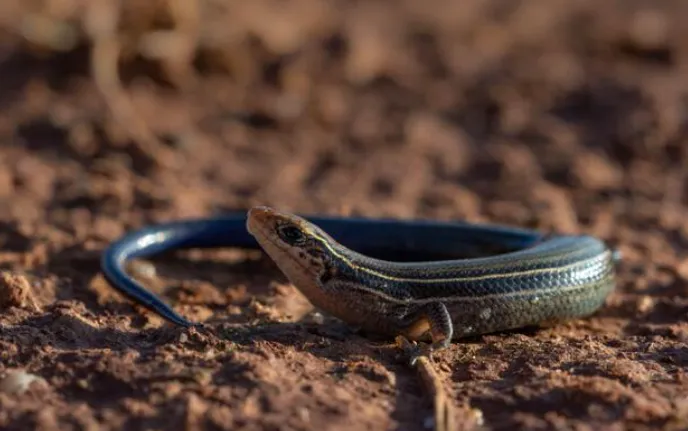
<point x="346" y="347"/>
<point x="349" y="353"/>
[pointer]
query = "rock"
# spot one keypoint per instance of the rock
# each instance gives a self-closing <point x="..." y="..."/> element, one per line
<point x="15" y="291"/>
<point x="19" y="381"/>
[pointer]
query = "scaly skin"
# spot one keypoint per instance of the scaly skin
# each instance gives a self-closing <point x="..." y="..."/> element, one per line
<point x="561" y="278"/>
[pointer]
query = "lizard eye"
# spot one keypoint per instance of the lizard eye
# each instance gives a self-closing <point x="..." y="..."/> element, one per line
<point x="290" y="234"/>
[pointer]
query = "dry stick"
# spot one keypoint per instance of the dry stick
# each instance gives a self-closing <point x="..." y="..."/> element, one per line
<point x="101" y="22"/>
<point x="444" y="414"/>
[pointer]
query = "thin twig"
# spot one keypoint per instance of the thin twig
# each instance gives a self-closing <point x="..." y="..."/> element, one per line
<point x="444" y="414"/>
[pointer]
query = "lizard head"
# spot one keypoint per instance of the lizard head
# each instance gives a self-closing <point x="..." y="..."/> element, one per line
<point x="297" y="246"/>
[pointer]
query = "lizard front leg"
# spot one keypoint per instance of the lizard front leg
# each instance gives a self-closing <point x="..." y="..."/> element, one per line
<point x="433" y="319"/>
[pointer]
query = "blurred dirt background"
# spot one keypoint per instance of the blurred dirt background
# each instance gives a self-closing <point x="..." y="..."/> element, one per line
<point x="562" y="115"/>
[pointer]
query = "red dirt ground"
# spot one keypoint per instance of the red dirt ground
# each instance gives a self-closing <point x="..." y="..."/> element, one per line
<point x="562" y="115"/>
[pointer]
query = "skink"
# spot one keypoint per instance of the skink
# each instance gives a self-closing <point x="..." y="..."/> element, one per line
<point x="421" y="279"/>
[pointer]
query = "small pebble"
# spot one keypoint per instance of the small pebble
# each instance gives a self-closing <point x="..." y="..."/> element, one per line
<point x="682" y="269"/>
<point x="478" y="417"/>
<point x="18" y="381"/>
<point x="317" y="318"/>
<point x="645" y="304"/>
<point x="304" y="414"/>
<point x="142" y="269"/>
